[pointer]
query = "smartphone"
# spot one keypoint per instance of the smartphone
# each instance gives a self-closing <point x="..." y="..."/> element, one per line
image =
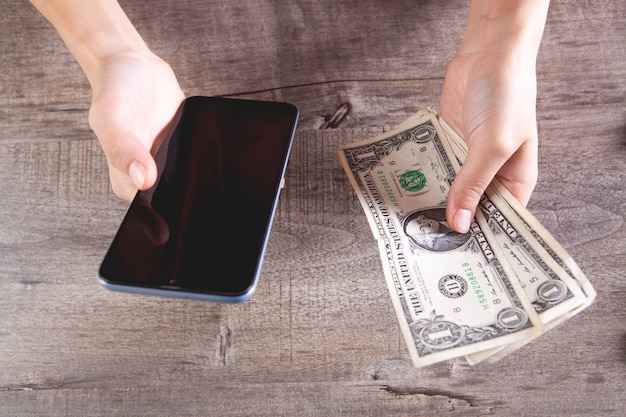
<point x="201" y="231"/>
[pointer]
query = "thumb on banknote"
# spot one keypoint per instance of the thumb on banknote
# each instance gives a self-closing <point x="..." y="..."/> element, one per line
<point x="515" y="167"/>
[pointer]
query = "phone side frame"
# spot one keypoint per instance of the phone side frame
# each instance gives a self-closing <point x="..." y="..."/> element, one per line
<point x="172" y="293"/>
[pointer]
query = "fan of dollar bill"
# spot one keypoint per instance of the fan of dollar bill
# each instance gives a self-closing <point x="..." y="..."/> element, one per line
<point x="479" y="295"/>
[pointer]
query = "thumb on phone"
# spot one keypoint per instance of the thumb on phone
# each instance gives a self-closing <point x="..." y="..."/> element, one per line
<point x="131" y="166"/>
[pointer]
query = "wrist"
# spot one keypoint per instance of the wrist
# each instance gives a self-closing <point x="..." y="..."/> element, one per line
<point x="102" y="46"/>
<point x="510" y="27"/>
<point x="94" y="31"/>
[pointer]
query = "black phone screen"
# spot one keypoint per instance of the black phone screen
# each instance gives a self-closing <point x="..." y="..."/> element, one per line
<point x="203" y="227"/>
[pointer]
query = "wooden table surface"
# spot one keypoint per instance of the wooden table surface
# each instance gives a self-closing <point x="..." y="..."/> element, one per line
<point x="320" y="336"/>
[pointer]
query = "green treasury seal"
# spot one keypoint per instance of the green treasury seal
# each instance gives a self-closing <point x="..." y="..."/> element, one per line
<point x="413" y="180"/>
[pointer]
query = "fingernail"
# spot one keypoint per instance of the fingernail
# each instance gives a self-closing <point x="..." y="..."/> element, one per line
<point x="137" y="173"/>
<point x="462" y="220"/>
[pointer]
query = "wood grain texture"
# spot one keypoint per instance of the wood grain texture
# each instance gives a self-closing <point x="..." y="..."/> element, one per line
<point x="320" y="336"/>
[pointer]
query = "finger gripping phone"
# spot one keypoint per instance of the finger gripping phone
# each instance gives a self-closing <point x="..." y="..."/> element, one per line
<point x="201" y="231"/>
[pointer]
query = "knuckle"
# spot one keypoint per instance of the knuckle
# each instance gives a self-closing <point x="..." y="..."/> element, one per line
<point x="470" y="192"/>
<point x="501" y="150"/>
<point x="115" y="154"/>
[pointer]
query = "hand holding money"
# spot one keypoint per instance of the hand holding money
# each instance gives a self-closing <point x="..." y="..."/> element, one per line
<point x="480" y="294"/>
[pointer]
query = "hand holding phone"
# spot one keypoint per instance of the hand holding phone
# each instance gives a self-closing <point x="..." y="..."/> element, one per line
<point x="201" y="231"/>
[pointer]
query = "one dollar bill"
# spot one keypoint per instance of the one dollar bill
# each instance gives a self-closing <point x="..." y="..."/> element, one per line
<point x="454" y="294"/>
<point x="559" y="290"/>
<point x="482" y="294"/>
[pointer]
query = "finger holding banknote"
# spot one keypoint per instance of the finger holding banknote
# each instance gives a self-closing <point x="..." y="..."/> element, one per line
<point x="502" y="140"/>
<point x="516" y="169"/>
<point x="498" y="121"/>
